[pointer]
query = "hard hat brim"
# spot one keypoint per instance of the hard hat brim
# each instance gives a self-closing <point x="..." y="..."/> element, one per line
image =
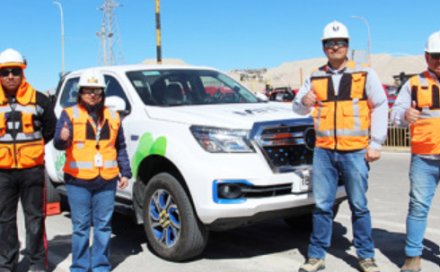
<point x="13" y="64"/>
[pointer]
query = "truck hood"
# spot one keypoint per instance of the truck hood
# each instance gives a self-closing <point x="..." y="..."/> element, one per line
<point x="224" y="115"/>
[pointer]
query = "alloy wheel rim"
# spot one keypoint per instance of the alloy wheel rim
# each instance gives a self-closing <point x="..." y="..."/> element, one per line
<point x="164" y="217"/>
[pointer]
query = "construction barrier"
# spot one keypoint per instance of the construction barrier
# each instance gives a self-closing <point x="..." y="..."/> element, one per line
<point x="53" y="208"/>
<point x="398" y="139"/>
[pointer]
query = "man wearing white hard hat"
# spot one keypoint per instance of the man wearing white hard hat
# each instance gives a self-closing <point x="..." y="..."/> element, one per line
<point x="27" y="123"/>
<point x="350" y="114"/>
<point x="418" y="106"/>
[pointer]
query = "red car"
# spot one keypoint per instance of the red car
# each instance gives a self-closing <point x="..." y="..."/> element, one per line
<point x="391" y="93"/>
<point x="282" y="94"/>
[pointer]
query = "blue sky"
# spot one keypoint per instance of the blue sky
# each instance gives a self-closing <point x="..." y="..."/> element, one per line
<point x="225" y="34"/>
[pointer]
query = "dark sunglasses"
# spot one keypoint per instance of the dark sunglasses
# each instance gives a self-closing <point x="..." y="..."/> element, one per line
<point x="435" y="56"/>
<point x="13" y="71"/>
<point x="333" y="43"/>
<point x="96" y="91"/>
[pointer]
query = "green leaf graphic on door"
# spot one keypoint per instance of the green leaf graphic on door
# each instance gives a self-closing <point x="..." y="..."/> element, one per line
<point x="147" y="146"/>
<point x="59" y="163"/>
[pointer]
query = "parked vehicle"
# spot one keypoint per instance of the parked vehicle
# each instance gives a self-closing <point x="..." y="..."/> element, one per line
<point x="206" y="154"/>
<point x="281" y="94"/>
<point x="391" y="92"/>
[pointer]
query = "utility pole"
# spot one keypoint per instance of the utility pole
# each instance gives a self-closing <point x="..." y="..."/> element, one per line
<point x="158" y="34"/>
<point x="103" y="36"/>
<point x="365" y="21"/>
<point x="109" y="32"/>
<point x="60" y="7"/>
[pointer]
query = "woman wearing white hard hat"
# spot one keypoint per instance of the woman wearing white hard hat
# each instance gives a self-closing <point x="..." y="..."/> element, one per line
<point x="96" y="163"/>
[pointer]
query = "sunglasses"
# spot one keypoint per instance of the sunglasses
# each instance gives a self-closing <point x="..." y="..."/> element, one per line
<point x="96" y="91"/>
<point x="13" y="71"/>
<point x="333" y="43"/>
<point x="435" y="56"/>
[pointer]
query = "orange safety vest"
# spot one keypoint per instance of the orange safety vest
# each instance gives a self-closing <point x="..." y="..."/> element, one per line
<point x="21" y="143"/>
<point x="425" y="132"/>
<point x="342" y="121"/>
<point x="80" y="156"/>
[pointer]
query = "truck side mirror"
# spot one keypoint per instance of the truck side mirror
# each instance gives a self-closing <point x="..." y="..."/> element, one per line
<point x="117" y="104"/>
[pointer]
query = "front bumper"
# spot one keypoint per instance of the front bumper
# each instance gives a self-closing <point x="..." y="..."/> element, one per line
<point x="278" y="202"/>
<point x="222" y="224"/>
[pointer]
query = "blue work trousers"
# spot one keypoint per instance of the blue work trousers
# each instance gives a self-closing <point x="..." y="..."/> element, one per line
<point x="91" y="204"/>
<point x="424" y="176"/>
<point x="328" y="167"/>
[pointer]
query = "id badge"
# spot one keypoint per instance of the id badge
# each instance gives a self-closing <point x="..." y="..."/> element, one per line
<point x="98" y="160"/>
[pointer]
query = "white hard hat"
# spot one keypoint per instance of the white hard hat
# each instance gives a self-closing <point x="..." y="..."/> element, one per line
<point x="335" y="30"/>
<point x="433" y="43"/>
<point x="91" y="78"/>
<point x="10" y="57"/>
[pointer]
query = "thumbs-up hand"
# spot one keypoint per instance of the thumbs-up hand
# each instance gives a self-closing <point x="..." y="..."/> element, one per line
<point x="412" y="114"/>
<point x="65" y="132"/>
<point x="309" y="99"/>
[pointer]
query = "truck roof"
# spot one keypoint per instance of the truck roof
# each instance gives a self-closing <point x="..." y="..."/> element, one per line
<point x="133" y="67"/>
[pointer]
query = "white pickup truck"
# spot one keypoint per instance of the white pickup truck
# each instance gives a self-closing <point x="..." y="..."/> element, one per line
<point x="205" y="152"/>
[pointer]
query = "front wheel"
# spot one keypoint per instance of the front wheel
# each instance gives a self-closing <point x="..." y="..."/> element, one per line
<point x="172" y="228"/>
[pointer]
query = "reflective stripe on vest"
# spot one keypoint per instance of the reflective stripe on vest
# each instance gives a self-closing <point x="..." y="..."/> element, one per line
<point x="21" y="144"/>
<point x="80" y="156"/>
<point x="425" y="132"/>
<point x="89" y="165"/>
<point x="22" y="137"/>
<point x="342" y="121"/>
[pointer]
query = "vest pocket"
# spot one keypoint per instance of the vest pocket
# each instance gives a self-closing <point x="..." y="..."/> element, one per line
<point x="79" y="131"/>
<point x="424" y="98"/>
<point x="355" y="117"/>
<point x="28" y="126"/>
<point x="350" y="110"/>
<point x="2" y="124"/>
<point x="322" y="118"/>
<point x="320" y="112"/>
<point x="30" y="155"/>
<point x="422" y="134"/>
<point x="357" y="85"/>
<point x="6" y="159"/>
<point x="320" y="87"/>
<point x="114" y="129"/>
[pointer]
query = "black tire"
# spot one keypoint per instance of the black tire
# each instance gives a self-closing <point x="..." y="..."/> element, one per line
<point x="305" y="222"/>
<point x="175" y="220"/>
<point x="52" y="194"/>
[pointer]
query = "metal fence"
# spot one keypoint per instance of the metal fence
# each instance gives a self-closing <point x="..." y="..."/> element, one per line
<point x="398" y="139"/>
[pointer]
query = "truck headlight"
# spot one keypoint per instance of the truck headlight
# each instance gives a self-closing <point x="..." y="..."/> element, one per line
<point x="222" y="140"/>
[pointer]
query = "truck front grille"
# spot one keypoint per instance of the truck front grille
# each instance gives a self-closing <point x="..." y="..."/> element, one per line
<point x="287" y="144"/>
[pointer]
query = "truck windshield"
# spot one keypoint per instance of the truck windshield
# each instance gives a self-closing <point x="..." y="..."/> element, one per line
<point x="188" y="87"/>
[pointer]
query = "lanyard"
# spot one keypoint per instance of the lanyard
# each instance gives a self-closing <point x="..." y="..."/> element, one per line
<point x="98" y="129"/>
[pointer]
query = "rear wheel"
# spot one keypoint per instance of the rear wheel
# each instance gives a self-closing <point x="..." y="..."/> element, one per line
<point x="172" y="228"/>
